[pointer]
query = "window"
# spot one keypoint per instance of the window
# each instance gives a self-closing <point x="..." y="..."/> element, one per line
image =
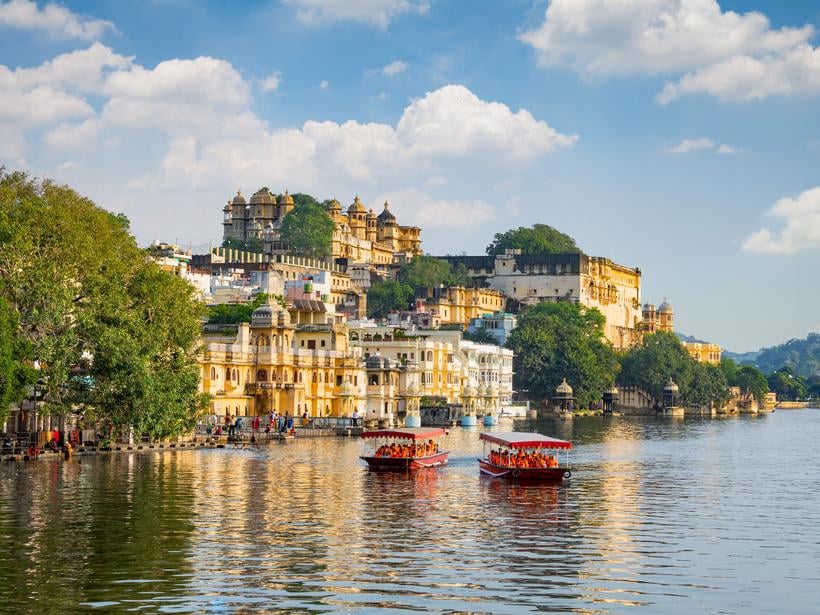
<point x="213" y="373"/>
<point x="262" y="376"/>
<point x="323" y="343"/>
<point x="338" y="381"/>
<point x="228" y="374"/>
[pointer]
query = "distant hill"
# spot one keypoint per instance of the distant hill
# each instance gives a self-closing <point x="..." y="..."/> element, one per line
<point x="689" y="339"/>
<point x="802" y="355"/>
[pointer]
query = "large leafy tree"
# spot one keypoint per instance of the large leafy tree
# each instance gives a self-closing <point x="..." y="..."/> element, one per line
<point x="386" y="296"/>
<point x="428" y="271"/>
<point x="537" y="239"/>
<point x="661" y="356"/>
<point x="251" y="244"/>
<point x="787" y="385"/>
<point x="115" y="336"/>
<point x="309" y="231"/>
<point x="554" y="341"/>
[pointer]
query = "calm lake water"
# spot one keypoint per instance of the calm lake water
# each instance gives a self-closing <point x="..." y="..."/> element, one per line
<point x="661" y="516"/>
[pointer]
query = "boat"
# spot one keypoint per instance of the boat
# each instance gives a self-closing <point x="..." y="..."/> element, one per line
<point x="413" y="448"/>
<point x="508" y="460"/>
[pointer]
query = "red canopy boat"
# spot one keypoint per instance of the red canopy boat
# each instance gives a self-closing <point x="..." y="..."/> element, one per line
<point x="524" y="456"/>
<point x="405" y="448"/>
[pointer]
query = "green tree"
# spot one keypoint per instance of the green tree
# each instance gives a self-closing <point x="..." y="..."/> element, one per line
<point x="538" y="239"/>
<point x="300" y="198"/>
<point x="428" y="271"/>
<point x="251" y="244"/>
<point x="661" y="356"/>
<point x="787" y="385"/>
<point x="749" y="379"/>
<point x="386" y="296"/>
<point x="116" y="337"/>
<point x="562" y="340"/>
<point x="235" y="313"/>
<point x="14" y="374"/>
<point x="481" y="336"/>
<point x="309" y="231"/>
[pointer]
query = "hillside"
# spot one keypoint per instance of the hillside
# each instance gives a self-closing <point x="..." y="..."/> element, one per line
<point x="802" y="355"/>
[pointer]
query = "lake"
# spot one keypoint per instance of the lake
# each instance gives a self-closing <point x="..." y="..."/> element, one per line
<point x="660" y="516"/>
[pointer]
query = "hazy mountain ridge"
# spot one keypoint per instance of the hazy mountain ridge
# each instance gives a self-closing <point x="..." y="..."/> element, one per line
<point x="802" y="355"/>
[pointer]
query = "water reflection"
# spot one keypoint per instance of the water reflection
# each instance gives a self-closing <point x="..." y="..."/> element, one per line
<point x="662" y="516"/>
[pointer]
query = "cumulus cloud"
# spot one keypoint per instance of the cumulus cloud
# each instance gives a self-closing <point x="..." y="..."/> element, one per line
<point x="420" y="209"/>
<point x="378" y="13"/>
<point x="801" y="230"/>
<point x="271" y="83"/>
<point x="394" y="68"/>
<point x="726" y="149"/>
<point x="196" y="117"/>
<point x="723" y="53"/>
<point x="452" y="120"/>
<point x="53" y="19"/>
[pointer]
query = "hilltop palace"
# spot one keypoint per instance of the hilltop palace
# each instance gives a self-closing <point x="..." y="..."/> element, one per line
<point x="319" y="354"/>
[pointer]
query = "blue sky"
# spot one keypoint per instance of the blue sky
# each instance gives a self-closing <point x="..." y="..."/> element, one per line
<point x="679" y="136"/>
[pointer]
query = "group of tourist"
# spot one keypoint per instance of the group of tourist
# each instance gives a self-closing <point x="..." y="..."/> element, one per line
<point x="522" y="459"/>
<point x="421" y="449"/>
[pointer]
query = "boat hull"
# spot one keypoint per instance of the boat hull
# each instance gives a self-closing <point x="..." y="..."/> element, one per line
<point x="545" y="475"/>
<point x="403" y="464"/>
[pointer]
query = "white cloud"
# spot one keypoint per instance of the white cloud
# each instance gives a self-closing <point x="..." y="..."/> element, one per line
<point x="691" y="145"/>
<point x="54" y="19"/>
<point x="378" y="13"/>
<point x="271" y="83"/>
<point x="118" y="118"/>
<point x="420" y="209"/>
<point x="801" y="229"/>
<point x="394" y="68"/>
<point x="729" y="55"/>
<point x="324" y="84"/>
<point x="745" y="78"/>
<point x="452" y="121"/>
<point x="68" y="165"/>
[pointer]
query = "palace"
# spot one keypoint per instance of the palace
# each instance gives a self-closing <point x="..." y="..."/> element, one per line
<point x="361" y="236"/>
<point x="591" y="281"/>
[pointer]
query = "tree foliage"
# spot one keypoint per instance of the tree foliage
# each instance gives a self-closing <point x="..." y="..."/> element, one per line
<point x="536" y="240"/>
<point x="787" y="385"/>
<point x="251" y="244"/>
<point x="749" y="379"/>
<point x="428" y="271"/>
<point x="554" y="341"/>
<point x="116" y="337"/>
<point x="661" y="356"/>
<point x="386" y="296"/>
<point x="481" y="335"/>
<point x="235" y="313"/>
<point x="801" y="355"/>
<point x="309" y="231"/>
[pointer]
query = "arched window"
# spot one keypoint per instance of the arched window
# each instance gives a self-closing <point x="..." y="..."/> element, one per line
<point x="262" y="375"/>
<point x="213" y="373"/>
<point x="300" y="377"/>
<point x="228" y="374"/>
<point x="314" y="377"/>
<point x="236" y="375"/>
<point x="429" y="355"/>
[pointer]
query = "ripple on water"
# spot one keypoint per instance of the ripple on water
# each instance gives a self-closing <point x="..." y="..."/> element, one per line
<point x="660" y="516"/>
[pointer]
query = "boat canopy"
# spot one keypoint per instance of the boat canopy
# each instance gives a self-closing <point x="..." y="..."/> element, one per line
<point x="407" y="433"/>
<point x="522" y="439"/>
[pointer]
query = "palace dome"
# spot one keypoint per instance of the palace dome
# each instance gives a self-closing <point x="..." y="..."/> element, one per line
<point x="371" y="215"/>
<point x="470" y="391"/>
<point x="262" y="196"/>
<point x="286" y="199"/>
<point x="239" y="199"/>
<point x="386" y="217"/>
<point x="665" y="308"/>
<point x="670" y="387"/>
<point x="648" y="307"/>
<point x="334" y="205"/>
<point x="564" y="389"/>
<point x="356" y="207"/>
